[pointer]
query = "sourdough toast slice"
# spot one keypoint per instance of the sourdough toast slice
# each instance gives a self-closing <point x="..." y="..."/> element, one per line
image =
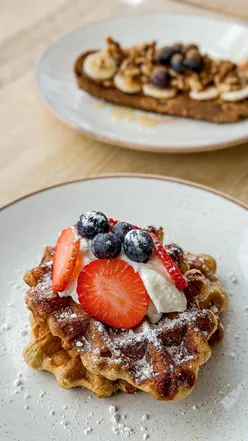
<point x="214" y="110"/>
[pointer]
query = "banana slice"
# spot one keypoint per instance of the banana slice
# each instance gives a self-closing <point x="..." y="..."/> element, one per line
<point x="156" y="92"/>
<point x="99" y="66"/>
<point x="126" y="84"/>
<point x="235" y="95"/>
<point x="208" y="94"/>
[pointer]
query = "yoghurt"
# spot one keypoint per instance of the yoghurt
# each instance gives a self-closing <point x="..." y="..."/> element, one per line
<point x="164" y="296"/>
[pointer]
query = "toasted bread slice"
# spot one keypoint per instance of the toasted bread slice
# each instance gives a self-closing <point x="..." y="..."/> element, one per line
<point x="215" y="110"/>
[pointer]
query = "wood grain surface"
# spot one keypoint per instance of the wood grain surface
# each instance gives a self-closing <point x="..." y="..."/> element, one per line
<point x="237" y="8"/>
<point x="37" y="150"/>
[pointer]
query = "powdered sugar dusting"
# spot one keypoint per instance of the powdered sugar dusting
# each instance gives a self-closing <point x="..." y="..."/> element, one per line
<point x="179" y="354"/>
<point x="131" y="349"/>
<point x="122" y="343"/>
<point x="75" y="234"/>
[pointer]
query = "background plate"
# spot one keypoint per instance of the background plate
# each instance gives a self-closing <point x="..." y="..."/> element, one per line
<point x="56" y="83"/>
<point x="198" y="220"/>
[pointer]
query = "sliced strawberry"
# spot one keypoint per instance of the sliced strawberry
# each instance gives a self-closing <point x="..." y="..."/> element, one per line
<point x="112" y="223"/>
<point x="65" y="259"/>
<point x="173" y="272"/>
<point x="111" y="291"/>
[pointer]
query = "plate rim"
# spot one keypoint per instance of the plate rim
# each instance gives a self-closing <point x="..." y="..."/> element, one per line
<point x="132" y="146"/>
<point x="150" y="176"/>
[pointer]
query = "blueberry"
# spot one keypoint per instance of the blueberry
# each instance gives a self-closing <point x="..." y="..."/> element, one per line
<point x="138" y="245"/>
<point x="106" y="245"/>
<point x="121" y="229"/>
<point x="178" y="48"/>
<point x="188" y="47"/>
<point x="91" y="223"/>
<point x="159" y="77"/>
<point x="176" y="63"/>
<point x="193" y="60"/>
<point x="164" y="55"/>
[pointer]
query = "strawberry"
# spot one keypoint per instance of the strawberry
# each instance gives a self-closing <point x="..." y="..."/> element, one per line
<point x="173" y="272"/>
<point x="111" y="291"/>
<point x="65" y="259"/>
<point x="112" y="223"/>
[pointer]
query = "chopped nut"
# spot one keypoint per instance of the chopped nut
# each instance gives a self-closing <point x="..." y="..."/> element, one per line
<point x="223" y="88"/>
<point x="224" y="68"/>
<point x="232" y="78"/>
<point x="143" y="79"/>
<point x="139" y="60"/>
<point x="180" y="83"/>
<point x="132" y="72"/>
<point x="194" y="84"/>
<point x="146" y="69"/>
<point x="150" y="53"/>
<point x="115" y="50"/>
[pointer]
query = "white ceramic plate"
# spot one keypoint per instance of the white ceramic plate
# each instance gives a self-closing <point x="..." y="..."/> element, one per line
<point x="198" y="220"/>
<point x="59" y="91"/>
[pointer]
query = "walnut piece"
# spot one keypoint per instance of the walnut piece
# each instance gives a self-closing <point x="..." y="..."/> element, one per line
<point x="114" y="49"/>
<point x="138" y="63"/>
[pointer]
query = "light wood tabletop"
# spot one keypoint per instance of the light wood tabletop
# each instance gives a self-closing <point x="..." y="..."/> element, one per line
<point x="37" y="150"/>
<point x="237" y="8"/>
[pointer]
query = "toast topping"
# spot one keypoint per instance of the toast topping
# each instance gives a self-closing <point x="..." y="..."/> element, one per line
<point x="162" y="73"/>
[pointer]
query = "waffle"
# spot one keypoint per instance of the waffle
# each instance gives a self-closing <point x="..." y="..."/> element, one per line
<point x="161" y="359"/>
<point x="45" y="353"/>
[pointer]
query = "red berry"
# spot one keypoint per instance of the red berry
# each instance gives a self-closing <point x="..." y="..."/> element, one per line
<point x="111" y="291"/>
<point x="173" y="272"/>
<point x="112" y="223"/>
<point x="65" y="259"/>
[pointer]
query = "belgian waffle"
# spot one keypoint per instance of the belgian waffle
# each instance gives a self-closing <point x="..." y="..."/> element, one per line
<point x="45" y="353"/>
<point x="161" y="359"/>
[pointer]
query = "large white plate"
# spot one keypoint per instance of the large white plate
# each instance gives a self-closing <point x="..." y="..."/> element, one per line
<point x="57" y="85"/>
<point x="198" y="220"/>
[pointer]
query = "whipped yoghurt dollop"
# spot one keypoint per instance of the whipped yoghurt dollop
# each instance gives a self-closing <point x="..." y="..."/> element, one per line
<point x="164" y="296"/>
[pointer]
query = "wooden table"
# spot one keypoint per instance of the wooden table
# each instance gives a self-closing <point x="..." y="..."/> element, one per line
<point x="37" y="150"/>
<point x="237" y="8"/>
